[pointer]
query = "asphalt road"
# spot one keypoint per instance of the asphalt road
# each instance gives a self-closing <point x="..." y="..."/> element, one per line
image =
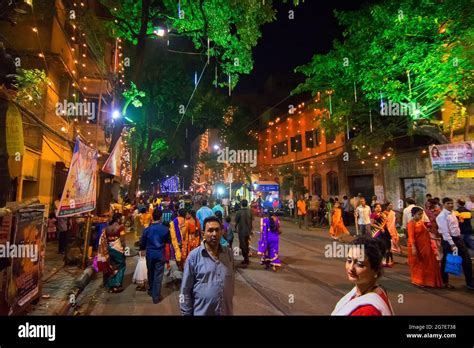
<point x="309" y="283"/>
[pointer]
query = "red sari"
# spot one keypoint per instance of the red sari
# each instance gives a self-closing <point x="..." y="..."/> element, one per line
<point x="424" y="267"/>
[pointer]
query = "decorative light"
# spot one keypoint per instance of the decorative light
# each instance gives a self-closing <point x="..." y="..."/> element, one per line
<point x="362" y="162"/>
<point x="41" y="55"/>
<point x="63" y="129"/>
<point x="35" y="29"/>
<point x="424" y="151"/>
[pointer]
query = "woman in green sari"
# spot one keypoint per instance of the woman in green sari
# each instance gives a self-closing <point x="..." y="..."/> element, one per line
<point x="112" y="254"/>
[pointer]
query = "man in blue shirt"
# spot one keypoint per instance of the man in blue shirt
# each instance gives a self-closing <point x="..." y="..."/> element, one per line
<point x="154" y="239"/>
<point x="203" y="213"/>
<point x="207" y="287"/>
<point x="218" y="207"/>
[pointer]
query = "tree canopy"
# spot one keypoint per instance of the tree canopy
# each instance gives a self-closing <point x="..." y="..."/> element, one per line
<point x="414" y="53"/>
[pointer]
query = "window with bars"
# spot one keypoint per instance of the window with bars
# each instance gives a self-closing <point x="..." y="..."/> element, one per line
<point x="333" y="183"/>
<point x="296" y="145"/>
<point x="312" y="138"/>
<point x="330" y="137"/>
<point x="280" y="149"/>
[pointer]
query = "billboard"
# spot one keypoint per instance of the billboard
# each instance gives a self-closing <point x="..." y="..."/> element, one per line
<point x="452" y="156"/>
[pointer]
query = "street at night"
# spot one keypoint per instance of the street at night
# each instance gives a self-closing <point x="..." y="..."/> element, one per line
<point x="285" y="162"/>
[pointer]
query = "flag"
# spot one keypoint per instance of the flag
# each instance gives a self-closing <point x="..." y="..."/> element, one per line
<point x="113" y="163"/>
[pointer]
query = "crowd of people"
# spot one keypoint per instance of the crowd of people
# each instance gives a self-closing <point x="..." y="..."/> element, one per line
<point x="201" y="245"/>
<point x="199" y="242"/>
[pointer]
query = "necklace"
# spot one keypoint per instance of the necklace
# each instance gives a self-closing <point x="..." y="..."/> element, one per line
<point x="368" y="290"/>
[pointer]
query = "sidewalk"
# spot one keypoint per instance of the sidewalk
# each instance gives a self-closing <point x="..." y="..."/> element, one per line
<point x="57" y="282"/>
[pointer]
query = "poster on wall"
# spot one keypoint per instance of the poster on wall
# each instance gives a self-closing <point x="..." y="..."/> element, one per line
<point x="452" y="156"/>
<point x="379" y="192"/>
<point x="26" y="253"/>
<point x="79" y="194"/>
<point x="5" y="231"/>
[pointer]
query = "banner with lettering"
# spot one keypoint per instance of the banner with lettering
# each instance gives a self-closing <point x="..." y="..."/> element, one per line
<point x="79" y="195"/>
<point x="452" y="156"/>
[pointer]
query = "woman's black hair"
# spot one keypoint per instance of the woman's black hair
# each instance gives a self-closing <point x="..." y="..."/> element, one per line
<point x="271" y="220"/>
<point x="115" y="218"/>
<point x="373" y="250"/>
<point x="415" y="210"/>
<point x="385" y="206"/>
<point x="218" y="213"/>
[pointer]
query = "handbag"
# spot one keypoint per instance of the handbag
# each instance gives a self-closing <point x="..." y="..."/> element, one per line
<point x="453" y="264"/>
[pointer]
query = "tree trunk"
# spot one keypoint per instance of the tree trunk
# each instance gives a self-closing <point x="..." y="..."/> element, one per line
<point x="141" y="44"/>
<point x="5" y="179"/>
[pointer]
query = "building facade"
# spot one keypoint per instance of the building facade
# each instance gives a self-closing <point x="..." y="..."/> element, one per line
<point x="76" y="98"/>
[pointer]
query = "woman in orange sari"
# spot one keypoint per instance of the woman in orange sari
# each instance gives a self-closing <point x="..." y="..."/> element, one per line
<point x="191" y="239"/>
<point x="337" y="228"/>
<point x="424" y="267"/>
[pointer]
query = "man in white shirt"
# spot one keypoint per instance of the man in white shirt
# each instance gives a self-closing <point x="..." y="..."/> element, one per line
<point x="291" y="206"/>
<point x="225" y="204"/>
<point x="470" y="203"/>
<point x="362" y="214"/>
<point x="407" y="213"/>
<point x="452" y="242"/>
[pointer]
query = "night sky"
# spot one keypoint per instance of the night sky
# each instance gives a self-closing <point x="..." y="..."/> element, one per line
<point x="288" y="43"/>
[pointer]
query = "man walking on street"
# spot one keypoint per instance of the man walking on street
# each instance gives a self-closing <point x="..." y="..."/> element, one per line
<point x="63" y="228"/>
<point x="208" y="281"/>
<point x="291" y="207"/>
<point x="225" y="204"/>
<point x="243" y="226"/>
<point x="362" y="215"/>
<point x="203" y="213"/>
<point x="154" y="239"/>
<point x="346" y="211"/>
<point x="301" y="207"/>
<point x="313" y="210"/>
<point x="452" y="242"/>
<point x="218" y="207"/>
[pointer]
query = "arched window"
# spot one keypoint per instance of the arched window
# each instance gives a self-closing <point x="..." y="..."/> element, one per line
<point x="317" y="184"/>
<point x="333" y="183"/>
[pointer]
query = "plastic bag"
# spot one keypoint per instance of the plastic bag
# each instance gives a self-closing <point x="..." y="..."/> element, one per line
<point x="453" y="264"/>
<point x="140" y="276"/>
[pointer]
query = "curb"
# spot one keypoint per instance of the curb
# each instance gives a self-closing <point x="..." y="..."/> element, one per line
<point x="79" y="285"/>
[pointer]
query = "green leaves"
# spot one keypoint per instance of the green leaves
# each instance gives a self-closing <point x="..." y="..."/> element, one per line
<point x="433" y="41"/>
<point x="31" y="85"/>
<point x="131" y="96"/>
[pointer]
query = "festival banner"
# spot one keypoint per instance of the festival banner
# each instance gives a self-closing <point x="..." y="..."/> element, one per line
<point x="119" y="162"/>
<point x="452" y="156"/>
<point x="79" y="195"/>
<point x="170" y="185"/>
<point x="26" y="254"/>
<point x="113" y="163"/>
